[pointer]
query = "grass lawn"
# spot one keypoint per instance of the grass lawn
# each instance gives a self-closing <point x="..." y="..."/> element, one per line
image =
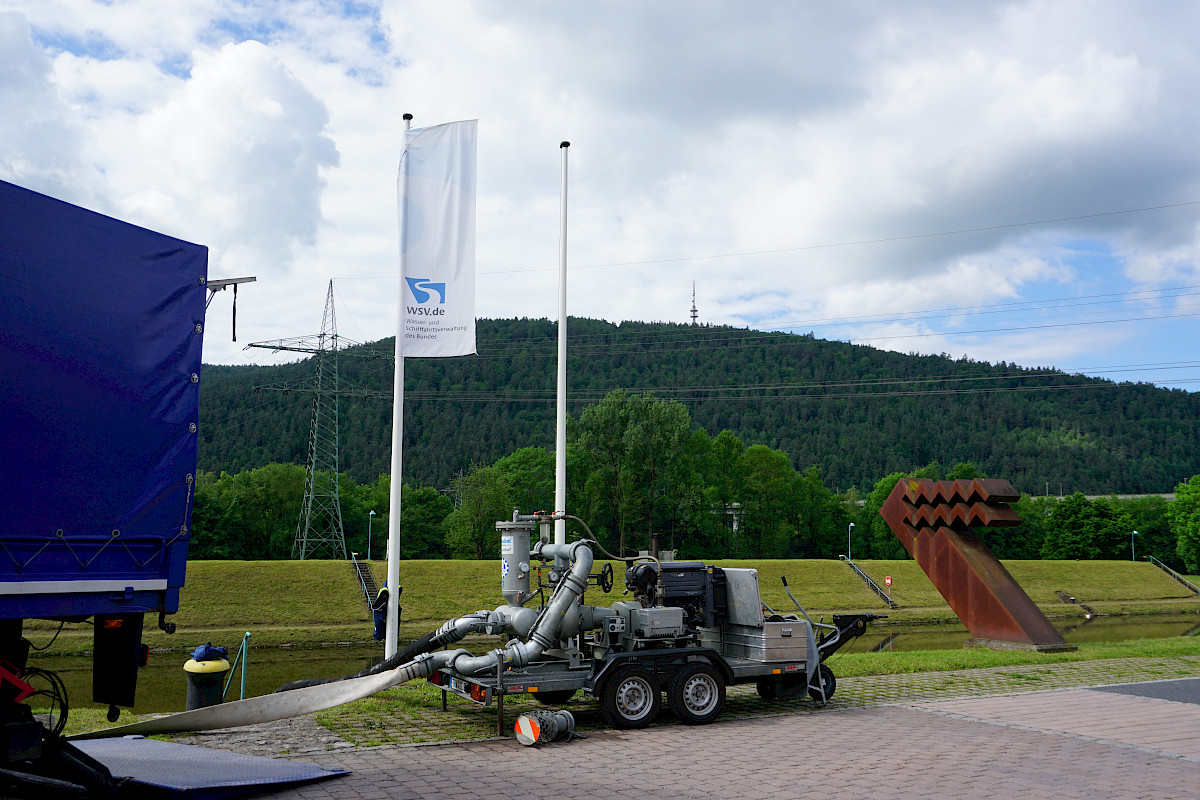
<point x="320" y="601"/>
<point x="298" y="602"/>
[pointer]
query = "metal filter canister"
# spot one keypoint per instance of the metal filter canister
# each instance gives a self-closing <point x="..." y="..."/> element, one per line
<point x="514" y="561"/>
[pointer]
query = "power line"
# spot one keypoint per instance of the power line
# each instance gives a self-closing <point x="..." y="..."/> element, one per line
<point x="583" y="398"/>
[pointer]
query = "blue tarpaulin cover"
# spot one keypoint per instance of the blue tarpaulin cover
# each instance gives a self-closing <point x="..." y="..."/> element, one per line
<point x="100" y="342"/>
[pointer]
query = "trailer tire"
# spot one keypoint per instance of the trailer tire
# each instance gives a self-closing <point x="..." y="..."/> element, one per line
<point x="827" y="680"/>
<point x="631" y="697"/>
<point x="696" y="694"/>
<point x="557" y="697"/>
<point x="767" y="688"/>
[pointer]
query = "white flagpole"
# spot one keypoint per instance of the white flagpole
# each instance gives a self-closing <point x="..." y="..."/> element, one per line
<point x="391" y="638"/>
<point x="560" y="448"/>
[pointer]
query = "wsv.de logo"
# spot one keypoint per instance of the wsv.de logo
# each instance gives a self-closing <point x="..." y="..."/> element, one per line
<point x="422" y="290"/>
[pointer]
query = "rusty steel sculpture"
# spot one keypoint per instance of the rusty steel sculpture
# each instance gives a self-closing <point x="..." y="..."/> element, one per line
<point x="937" y="522"/>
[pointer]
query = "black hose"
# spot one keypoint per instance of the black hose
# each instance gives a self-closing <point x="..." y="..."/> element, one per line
<point x="414" y="649"/>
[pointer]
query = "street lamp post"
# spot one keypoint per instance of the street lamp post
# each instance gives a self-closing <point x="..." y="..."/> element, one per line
<point x="1132" y="547"/>
<point x="848" y="553"/>
<point x="370" y="519"/>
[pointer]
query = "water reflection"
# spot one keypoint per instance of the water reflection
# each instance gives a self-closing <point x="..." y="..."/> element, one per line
<point x="1097" y="629"/>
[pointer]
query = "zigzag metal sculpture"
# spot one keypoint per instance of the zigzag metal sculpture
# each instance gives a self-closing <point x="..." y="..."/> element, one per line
<point x="934" y="520"/>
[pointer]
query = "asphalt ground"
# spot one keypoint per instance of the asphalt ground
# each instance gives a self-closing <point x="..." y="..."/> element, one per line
<point x="1078" y="730"/>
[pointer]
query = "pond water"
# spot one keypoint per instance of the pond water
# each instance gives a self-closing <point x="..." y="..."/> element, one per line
<point x="162" y="686"/>
<point x="1098" y="629"/>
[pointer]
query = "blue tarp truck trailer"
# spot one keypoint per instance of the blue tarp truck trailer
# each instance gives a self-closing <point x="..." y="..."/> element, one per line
<point x="101" y="325"/>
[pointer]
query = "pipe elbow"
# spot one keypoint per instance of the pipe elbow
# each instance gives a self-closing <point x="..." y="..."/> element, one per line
<point x="521" y="654"/>
<point x="462" y="662"/>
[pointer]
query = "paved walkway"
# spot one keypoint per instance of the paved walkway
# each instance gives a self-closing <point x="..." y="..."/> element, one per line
<point x="1099" y="742"/>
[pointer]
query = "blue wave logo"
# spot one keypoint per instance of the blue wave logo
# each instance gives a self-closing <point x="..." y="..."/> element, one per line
<point x="421" y="288"/>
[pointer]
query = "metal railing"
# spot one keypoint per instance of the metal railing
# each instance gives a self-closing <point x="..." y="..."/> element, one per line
<point x="1174" y="574"/>
<point x="884" y="596"/>
<point x="366" y="580"/>
<point x="243" y="658"/>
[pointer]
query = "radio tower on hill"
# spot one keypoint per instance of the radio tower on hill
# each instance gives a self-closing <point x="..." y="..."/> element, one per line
<point x="694" y="311"/>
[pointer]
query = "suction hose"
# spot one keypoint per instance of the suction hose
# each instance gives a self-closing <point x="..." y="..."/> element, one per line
<point x="542" y="636"/>
<point x="452" y="631"/>
<point x="271" y="707"/>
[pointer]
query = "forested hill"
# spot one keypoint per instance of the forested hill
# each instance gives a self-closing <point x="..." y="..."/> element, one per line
<point x="857" y="412"/>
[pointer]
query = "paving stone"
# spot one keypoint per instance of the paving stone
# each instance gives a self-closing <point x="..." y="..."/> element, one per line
<point x="1000" y="732"/>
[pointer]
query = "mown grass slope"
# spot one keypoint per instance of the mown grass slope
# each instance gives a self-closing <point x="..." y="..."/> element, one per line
<point x="298" y="602"/>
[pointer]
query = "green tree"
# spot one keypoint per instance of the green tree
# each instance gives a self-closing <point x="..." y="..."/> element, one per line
<point x="1184" y="513"/>
<point x="883" y="542"/>
<point x="530" y="474"/>
<point x="603" y="436"/>
<point x="1085" y="529"/>
<point x="251" y="515"/>
<point x="768" y="501"/>
<point x="723" y="481"/>
<point x="423" y="514"/>
<point x="963" y="471"/>
<point x="1024" y="540"/>
<point x="357" y="502"/>
<point x="659" y="439"/>
<point x="821" y="519"/>
<point x="483" y="500"/>
<point x="1155" y="536"/>
<point x="639" y="448"/>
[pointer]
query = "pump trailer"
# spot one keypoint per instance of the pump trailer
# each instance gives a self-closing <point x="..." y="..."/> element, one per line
<point x="691" y="630"/>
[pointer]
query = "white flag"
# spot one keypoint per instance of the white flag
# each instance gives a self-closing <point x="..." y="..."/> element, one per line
<point x="436" y="188"/>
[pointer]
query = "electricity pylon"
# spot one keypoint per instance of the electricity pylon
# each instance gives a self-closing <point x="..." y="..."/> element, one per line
<point x="319" y="530"/>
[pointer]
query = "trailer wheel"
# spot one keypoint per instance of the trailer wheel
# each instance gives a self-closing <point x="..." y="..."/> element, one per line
<point x="557" y="697"/>
<point x="827" y="681"/>
<point x="767" y="688"/>
<point x="696" y="694"/>
<point x="631" y="697"/>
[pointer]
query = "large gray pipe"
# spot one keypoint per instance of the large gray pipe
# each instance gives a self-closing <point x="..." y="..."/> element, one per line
<point x="549" y="625"/>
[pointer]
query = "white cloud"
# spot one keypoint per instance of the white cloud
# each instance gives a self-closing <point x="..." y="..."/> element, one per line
<point x="234" y="157"/>
<point x="270" y="131"/>
<point x="42" y="139"/>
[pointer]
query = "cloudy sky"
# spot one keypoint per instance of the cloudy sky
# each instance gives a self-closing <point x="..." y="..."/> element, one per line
<point x="1011" y="181"/>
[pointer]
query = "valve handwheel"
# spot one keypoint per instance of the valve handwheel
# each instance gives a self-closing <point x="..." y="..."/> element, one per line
<point x="605" y="581"/>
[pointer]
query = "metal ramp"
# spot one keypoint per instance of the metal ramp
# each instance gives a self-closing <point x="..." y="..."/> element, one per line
<point x="169" y="770"/>
<point x="1191" y="586"/>
<point x="871" y="584"/>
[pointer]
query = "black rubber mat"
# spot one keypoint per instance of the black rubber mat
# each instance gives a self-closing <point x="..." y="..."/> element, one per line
<point x="169" y="770"/>
<point x="1181" y="690"/>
